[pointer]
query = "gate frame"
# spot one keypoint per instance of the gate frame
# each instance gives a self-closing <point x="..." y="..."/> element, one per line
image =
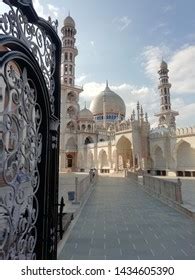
<point x="46" y="246"/>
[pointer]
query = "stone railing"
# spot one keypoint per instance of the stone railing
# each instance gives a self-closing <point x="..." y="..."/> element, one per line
<point x="82" y="187"/>
<point x="163" y="189"/>
<point x="131" y="175"/>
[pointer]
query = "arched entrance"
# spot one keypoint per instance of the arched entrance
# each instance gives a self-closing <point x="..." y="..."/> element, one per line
<point x="124" y="153"/>
<point x="185" y="157"/>
<point x="103" y="159"/>
<point x="159" y="162"/>
<point x="159" y="159"/>
<point x="71" y="152"/>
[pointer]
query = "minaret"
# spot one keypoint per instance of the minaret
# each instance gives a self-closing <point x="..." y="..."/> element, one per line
<point x="69" y="98"/>
<point x="104" y="105"/>
<point x="69" y="52"/>
<point x="166" y="115"/>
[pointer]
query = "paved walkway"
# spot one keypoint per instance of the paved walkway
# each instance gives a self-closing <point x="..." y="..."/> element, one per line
<point x="121" y="221"/>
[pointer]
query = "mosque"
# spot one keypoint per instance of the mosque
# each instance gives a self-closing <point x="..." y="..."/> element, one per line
<point x="103" y="138"/>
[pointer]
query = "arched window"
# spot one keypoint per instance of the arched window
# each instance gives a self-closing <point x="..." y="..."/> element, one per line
<point x="70" y="56"/>
<point x="66" y="56"/>
<point x="65" y="69"/>
<point x="69" y="160"/>
<point x="89" y="127"/>
<point x="70" y="81"/>
<point x="71" y="111"/>
<point x="71" y="96"/>
<point x="70" y="69"/>
<point x="70" y="126"/>
<point x="83" y="126"/>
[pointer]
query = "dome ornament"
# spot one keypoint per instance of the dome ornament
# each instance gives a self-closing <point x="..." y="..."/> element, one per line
<point x="107" y="86"/>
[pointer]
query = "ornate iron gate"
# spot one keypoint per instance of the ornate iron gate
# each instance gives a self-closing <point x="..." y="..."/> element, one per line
<point x="30" y="53"/>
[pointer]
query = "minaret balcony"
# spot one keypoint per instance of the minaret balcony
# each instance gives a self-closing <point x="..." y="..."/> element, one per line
<point x="162" y="85"/>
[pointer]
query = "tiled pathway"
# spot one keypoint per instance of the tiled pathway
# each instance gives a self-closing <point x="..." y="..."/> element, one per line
<point x="121" y="221"/>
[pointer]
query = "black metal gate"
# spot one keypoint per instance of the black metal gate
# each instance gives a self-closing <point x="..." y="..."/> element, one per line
<point x="30" y="52"/>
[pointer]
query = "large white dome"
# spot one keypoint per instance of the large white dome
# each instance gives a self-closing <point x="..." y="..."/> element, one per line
<point x="114" y="103"/>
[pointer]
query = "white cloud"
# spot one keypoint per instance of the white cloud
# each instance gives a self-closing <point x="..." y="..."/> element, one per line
<point x="167" y="8"/>
<point x="186" y="114"/>
<point x="125" y="21"/>
<point x="92" y="43"/>
<point x="181" y="65"/>
<point x="45" y="11"/>
<point x="182" y="74"/>
<point x="122" y="22"/>
<point x="158" y="26"/>
<point x="39" y="9"/>
<point x="54" y="10"/>
<point x="152" y="55"/>
<point x="81" y="78"/>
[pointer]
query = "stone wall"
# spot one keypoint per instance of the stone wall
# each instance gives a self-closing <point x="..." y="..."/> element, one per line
<point x="163" y="188"/>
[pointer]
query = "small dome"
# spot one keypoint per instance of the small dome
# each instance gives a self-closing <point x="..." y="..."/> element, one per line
<point x="85" y="114"/>
<point x="163" y="64"/>
<point x="114" y="103"/>
<point x="69" y="21"/>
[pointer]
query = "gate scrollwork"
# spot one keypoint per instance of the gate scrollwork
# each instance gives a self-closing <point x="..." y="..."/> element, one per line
<point x="30" y="52"/>
<point x="15" y="23"/>
<point x="21" y="145"/>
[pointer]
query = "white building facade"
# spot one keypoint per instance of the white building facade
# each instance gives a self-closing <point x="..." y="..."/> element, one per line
<point x="101" y="137"/>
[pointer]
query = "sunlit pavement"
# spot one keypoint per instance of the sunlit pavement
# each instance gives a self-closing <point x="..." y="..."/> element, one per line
<point x="121" y="221"/>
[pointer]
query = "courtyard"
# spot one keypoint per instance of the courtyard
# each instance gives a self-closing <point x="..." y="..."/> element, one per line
<point x="121" y="221"/>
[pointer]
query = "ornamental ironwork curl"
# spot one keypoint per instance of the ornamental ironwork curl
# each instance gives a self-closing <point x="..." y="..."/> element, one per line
<point x="15" y="23"/>
<point x="20" y="152"/>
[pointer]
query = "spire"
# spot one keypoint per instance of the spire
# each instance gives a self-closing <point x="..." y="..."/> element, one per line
<point x="142" y="114"/>
<point x="138" y="110"/>
<point x="85" y="105"/>
<point x="166" y="115"/>
<point x="69" y="13"/>
<point x="107" y="87"/>
<point x="146" y="117"/>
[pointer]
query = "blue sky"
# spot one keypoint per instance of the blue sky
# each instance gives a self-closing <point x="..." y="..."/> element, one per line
<point x="124" y="41"/>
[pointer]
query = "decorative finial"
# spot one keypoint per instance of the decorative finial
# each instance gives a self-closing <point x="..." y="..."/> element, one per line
<point x="142" y="114"/>
<point x="146" y="117"/>
<point x="106" y="83"/>
<point x="85" y="105"/>
<point x="69" y="13"/>
<point x="142" y="111"/>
